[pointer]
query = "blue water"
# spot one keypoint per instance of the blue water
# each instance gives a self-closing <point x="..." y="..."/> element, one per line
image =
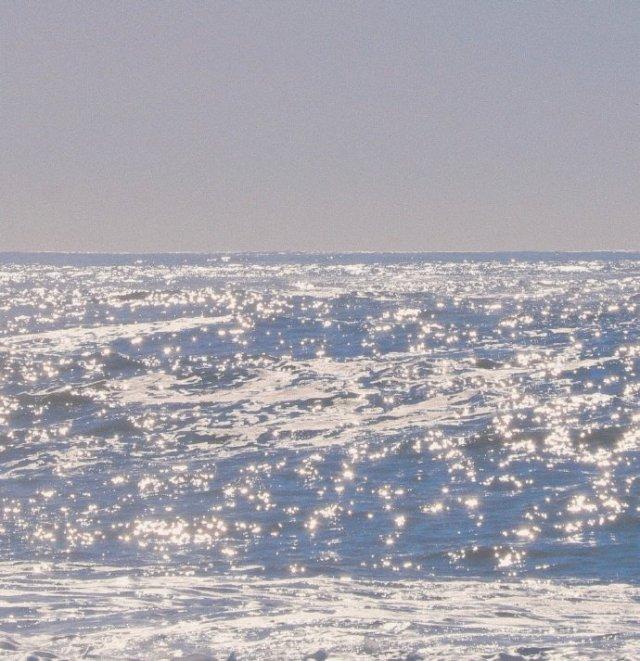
<point x="365" y="416"/>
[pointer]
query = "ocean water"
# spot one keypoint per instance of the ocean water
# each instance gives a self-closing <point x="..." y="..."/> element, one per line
<point x="320" y="456"/>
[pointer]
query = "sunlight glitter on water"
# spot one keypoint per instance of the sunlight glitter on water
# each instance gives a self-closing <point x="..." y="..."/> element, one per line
<point x="352" y="416"/>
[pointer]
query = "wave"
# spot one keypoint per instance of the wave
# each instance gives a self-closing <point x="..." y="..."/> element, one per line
<point x="75" y="611"/>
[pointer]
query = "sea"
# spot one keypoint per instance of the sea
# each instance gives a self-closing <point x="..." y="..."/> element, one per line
<point x="320" y="456"/>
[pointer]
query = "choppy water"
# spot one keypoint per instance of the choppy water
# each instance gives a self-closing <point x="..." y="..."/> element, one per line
<point x="275" y="455"/>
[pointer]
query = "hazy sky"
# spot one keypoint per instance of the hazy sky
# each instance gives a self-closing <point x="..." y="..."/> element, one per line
<point x="148" y="126"/>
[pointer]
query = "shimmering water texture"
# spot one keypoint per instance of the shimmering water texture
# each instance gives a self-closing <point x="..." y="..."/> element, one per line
<point x="275" y="456"/>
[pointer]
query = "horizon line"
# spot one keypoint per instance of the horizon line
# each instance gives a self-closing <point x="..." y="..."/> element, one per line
<point x="321" y="252"/>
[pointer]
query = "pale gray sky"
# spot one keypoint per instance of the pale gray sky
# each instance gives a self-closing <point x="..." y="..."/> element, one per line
<point x="144" y="126"/>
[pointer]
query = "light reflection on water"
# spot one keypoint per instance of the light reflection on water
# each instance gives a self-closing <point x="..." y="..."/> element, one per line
<point x="281" y="415"/>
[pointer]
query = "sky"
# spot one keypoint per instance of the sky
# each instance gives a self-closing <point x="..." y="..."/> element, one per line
<point x="319" y="126"/>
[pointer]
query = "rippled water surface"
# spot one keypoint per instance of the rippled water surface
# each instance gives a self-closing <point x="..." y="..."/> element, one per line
<point x="189" y="442"/>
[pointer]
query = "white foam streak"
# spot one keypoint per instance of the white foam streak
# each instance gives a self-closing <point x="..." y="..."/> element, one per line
<point x="114" y="615"/>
